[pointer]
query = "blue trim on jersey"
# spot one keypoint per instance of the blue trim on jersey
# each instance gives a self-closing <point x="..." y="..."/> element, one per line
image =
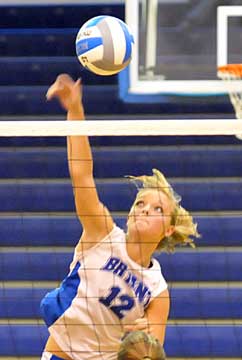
<point x="85" y="45"/>
<point x="128" y="40"/>
<point x="95" y="21"/>
<point x="56" y="302"/>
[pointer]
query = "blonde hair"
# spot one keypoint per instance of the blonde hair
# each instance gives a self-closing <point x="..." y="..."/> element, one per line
<point x="138" y="345"/>
<point x="184" y="227"/>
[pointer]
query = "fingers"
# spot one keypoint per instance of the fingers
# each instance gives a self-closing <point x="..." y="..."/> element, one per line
<point x="139" y="324"/>
<point x="53" y="90"/>
<point x="56" y="87"/>
<point x="77" y="89"/>
<point x="129" y="328"/>
<point x="65" y="79"/>
<point x="147" y="330"/>
<point x="78" y="82"/>
<point x="62" y="85"/>
<point x="141" y="321"/>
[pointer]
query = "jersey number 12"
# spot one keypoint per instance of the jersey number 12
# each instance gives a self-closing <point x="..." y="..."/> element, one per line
<point x="123" y="302"/>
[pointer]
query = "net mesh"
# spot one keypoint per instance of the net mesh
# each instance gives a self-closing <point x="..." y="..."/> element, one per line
<point x="231" y="74"/>
<point x="39" y="230"/>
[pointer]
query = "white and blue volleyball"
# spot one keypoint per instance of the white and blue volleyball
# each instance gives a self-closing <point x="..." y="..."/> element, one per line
<point x="104" y="45"/>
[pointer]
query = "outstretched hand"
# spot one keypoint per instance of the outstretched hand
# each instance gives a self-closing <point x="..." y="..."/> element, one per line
<point x="67" y="91"/>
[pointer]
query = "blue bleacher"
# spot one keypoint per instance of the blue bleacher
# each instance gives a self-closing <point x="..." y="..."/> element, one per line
<point x="47" y="229"/>
<point x="38" y="224"/>
<point x="57" y="195"/>
<point x="36" y="44"/>
<point x="56" y="15"/>
<point x="183" y="341"/>
<point x="189" y="303"/>
<point x="200" y="161"/>
<point x="185" y="265"/>
<point x="123" y="141"/>
<point x="29" y="100"/>
<point x="43" y="70"/>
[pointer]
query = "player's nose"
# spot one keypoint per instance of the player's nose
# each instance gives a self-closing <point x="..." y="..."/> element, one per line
<point x="146" y="209"/>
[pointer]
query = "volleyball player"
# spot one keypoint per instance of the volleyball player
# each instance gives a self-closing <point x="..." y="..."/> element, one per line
<point x="114" y="286"/>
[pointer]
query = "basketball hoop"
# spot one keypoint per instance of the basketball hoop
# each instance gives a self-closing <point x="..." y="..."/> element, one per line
<point x="232" y="74"/>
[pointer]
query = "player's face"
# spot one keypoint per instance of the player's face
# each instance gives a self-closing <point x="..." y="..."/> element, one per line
<point x="150" y="216"/>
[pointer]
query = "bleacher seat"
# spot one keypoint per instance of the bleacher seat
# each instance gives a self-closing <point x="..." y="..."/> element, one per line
<point x="182" y="340"/>
<point x="31" y="100"/>
<point x="184" y="265"/>
<point x="33" y="70"/>
<point x="46" y="230"/>
<point x="57" y="195"/>
<point x="191" y="161"/>
<point x="186" y="302"/>
<point x="36" y="44"/>
<point x="124" y="141"/>
<point x="55" y="15"/>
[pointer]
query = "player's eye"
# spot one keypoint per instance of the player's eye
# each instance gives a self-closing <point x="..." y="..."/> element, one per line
<point x="159" y="209"/>
<point x="139" y="203"/>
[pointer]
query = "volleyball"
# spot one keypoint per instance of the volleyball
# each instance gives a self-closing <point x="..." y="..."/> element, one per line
<point x="104" y="45"/>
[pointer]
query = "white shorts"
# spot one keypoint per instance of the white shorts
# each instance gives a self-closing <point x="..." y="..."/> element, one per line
<point x="48" y="356"/>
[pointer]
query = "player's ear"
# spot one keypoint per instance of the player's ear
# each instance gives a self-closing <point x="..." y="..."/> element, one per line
<point x="170" y="231"/>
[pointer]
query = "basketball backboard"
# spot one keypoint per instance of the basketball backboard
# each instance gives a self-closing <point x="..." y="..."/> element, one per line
<point x="179" y="44"/>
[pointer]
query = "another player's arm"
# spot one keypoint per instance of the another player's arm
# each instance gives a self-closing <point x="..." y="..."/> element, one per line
<point x="157" y="315"/>
<point x="155" y="320"/>
<point x="94" y="217"/>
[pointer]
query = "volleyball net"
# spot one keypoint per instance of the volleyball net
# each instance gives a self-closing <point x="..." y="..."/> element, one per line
<point x="39" y="227"/>
<point x="121" y="128"/>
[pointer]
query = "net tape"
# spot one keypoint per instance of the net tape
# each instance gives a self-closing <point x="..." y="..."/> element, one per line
<point x="122" y="127"/>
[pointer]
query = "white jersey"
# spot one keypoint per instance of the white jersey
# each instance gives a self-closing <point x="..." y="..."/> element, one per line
<point x="103" y="291"/>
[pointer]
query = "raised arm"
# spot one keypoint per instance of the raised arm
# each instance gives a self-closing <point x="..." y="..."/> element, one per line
<point x="95" y="218"/>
